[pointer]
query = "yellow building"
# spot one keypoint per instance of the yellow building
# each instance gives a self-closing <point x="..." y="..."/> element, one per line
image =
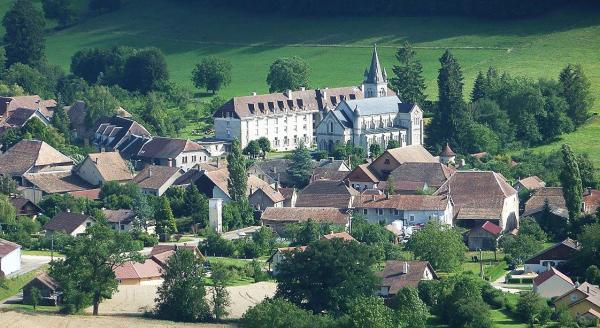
<point x="583" y="300"/>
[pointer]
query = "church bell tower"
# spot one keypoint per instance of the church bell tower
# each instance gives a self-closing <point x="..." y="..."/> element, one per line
<point x="375" y="82"/>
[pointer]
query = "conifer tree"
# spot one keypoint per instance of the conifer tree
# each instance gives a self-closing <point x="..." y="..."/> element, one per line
<point x="301" y="166"/>
<point x="570" y="178"/>
<point x="479" y="87"/>
<point x="408" y="82"/>
<point x="576" y="90"/>
<point x="165" y="221"/>
<point x="24" y="36"/>
<point x="238" y="179"/>
<point x="60" y="120"/>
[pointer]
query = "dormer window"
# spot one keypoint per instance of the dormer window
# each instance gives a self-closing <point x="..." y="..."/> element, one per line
<point x="387" y="161"/>
<point x="300" y="103"/>
<point x="251" y="108"/>
<point x="352" y="96"/>
<point x="290" y="104"/>
<point x="280" y="104"/>
<point x="271" y="105"/>
<point x="333" y="100"/>
<point x="261" y="106"/>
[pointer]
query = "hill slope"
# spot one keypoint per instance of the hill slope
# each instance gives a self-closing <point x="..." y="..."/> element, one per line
<point x="338" y="48"/>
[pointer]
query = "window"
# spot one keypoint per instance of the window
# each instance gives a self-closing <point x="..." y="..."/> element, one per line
<point x="380" y="211"/>
<point x="396" y="212"/>
<point x="295" y="140"/>
<point x="228" y="132"/>
<point x="285" y="141"/>
<point x="280" y="104"/>
<point x="276" y="141"/>
<point x="251" y="108"/>
<point x="411" y="218"/>
<point x="382" y="92"/>
<point x="352" y="96"/>
<point x="184" y="159"/>
<point x="261" y="106"/>
<point x="194" y="159"/>
<point x="365" y="211"/>
<point x="331" y="127"/>
<point x="228" y="123"/>
<point x="271" y="105"/>
<point x="87" y="224"/>
<point x="122" y="227"/>
<point x="333" y="100"/>
<point x="300" y="103"/>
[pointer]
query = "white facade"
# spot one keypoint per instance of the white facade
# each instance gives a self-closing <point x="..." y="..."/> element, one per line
<point x="215" y="214"/>
<point x="189" y="159"/>
<point x="83" y="227"/>
<point x="11" y="262"/>
<point x="407" y="216"/>
<point x="510" y="213"/>
<point x="543" y="265"/>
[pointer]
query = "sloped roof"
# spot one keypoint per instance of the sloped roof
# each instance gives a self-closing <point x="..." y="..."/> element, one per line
<point x="19" y="202"/>
<point x="159" y="249"/>
<point x="432" y="174"/>
<point x="274" y="195"/>
<point x="412" y="153"/>
<point x="276" y="169"/>
<point x="491" y="228"/>
<point x="110" y="165"/>
<point x="29" y="153"/>
<point x="220" y="177"/>
<point x="537" y="201"/>
<point x="326" y="193"/>
<point x="30" y="102"/>
<point x="7" y="247"/>
<point x="532" y="183"/>
<point x="119" y="127"/>
<point x="325" y="173"/>
<point x="403" y="202"/>
<point x="375" y="74"/>
<point x="562" y="251"/>
<point x="149" y="269"/>
<point x="477" y="194"/>
<point x="378" y="105"/>
<point x="57" y="182"/>
<point x="155" y="176"/>
<point x="119" y="216"/>
<point x="447" y="151"/>
<point x="20" y="116"/>
<point x="92" y="194"/>
<point x="341" y="235"/>
<point x="395" y="277"/>
<point x="541" y="278"/>
<point x="66" y="222"/>
<point x="160" y="147"/>
<point x="46" y="280"/>
<point x="300" y="214"/>
<point x="362" y="173"/>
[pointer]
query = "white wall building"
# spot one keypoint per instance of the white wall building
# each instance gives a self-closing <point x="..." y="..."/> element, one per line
<point x="410" y="209"/>
<point x="10" y="257"/>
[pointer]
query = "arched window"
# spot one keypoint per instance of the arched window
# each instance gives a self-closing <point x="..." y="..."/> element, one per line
<point x="331" y="127"/>
<point x="382" y="92"/>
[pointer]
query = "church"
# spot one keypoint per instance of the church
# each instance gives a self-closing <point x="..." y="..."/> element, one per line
<point x="376" y="118"/>
<point x="365" y="114"/>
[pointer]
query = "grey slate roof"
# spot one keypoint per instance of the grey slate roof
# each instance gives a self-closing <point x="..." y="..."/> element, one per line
<point x="347" y="123"/>
<point x="66" y="222"/>
<point x="379" y="105"/>
<point x="375" y="74"/>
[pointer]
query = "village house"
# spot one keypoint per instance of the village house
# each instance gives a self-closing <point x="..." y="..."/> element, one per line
<point x="552" y="283"/>
<point x="273" y="171"/>
<point x="279" y="255"/>
<point x="98" y="168"/>
<point x="73" y="224"/>
<point x="410" y="209"/>
<point x="20" y="116"/>
<point x="25" y="207"/>
<point x="214" y="184"/>
<point x="484" y="236"/>
<point x="583" y="300"/>
<point x="447" y="156"/>
<point x="166" y="248"/>
<point x="327" y="193"/>
<point x="339" y="235"/>
<point x="410" y="178"/>
<point x="279" y="218"/>
<point x="77" y="113"/>
<point x="330" y="169"/>
<point x="399" y="274"/>
<point x="120" y="220"/>
<point x="181" y="153"/>
<point x="554" y="256"/>
<point x="369" y="176"/>
<point x="30" y="157"/>
<point x="290" y="118"/>
<point x="48" y="288"/>
<point x="10" y="257"/>
<point x="529" y="183"/>
<point x="148" y="272"/>
<point x="156" y="179"/>
<point x="480" y="196"/>
<point x="553" y="197"/>
<point x="16" y="111"/>
<point x="376" y="118"/>
<point x="38" y="185"/>
<point x="265" y="196"/>
<point x="119" y="133"/>
<point x="290" y="196"/>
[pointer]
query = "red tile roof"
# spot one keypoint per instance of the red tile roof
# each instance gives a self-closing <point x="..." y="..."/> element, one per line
<point x="491" y="228"/>
<point x="342" y="235"/>
<point x="403" y="202"/>
<point x="300" y="214"/>
<point x="149" y="269"/>
<point x="540" y="279"/>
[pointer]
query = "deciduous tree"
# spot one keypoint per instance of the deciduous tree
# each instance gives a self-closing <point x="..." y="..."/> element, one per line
<point x="576" y="90"/>
<point x="369" y="311"/>
<point x="24" y="36"/>
<point x="570" y="178"/>
<point x="288" y="74"/>
<point x="212" y="73"/>
<point x="439" y="244"/>
<point x="146" y="70"/>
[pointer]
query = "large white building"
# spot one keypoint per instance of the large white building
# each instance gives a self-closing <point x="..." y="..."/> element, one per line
<point x="288" y="118"/>
<point x="377" y="118"/>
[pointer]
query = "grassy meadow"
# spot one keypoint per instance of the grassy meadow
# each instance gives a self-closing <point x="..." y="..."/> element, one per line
<point x="338" y="48"/>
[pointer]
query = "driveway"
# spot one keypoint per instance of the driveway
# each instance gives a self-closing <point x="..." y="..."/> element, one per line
<point x="30" y="263"/>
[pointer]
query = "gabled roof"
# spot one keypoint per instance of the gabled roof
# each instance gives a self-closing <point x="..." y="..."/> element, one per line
<point x="477" y="194"/>
<point x="491" y="228"/>
<point x="447" y="151"/>
<point x="396" y="277"/>
<point x="160" y="249"/>
<point x="562" y="251"/>
<point x="378" y="105"/>
<point x="119" y="216"/>
<point x="361" y="173"/>
<point x="325" y="173"/>
<point x="45" y="280"/>
<point x="110" y="165"/>
<point x="326" y="193"/>
<point x="30" y="102"/>
<point x="66" y="222"/>
<point x="57" y="182"/>
<point x="19" y="202"/>
<point x="156" y="176"/>
<point x="26" y="154"/>
<point x="149" y="269"/>
<point x="119" y="128"/>
<point x="220" y="177"/>
<point x="300" y="214"/>
<point x="591" y="292"/>
<point x="7" y="247"/>
<point x="412" y="153"/>
<point x="20" y="116"/>
<point x="274" y="195"/>
<point x="276" y="169"/>
<point x="160" y="147"/>
<point x="341" y="235"/>
<point x="431" y="174"/>
<point x="541" y="278"/>
<point x="532" y="182"/>
<point x="403" y="202"/>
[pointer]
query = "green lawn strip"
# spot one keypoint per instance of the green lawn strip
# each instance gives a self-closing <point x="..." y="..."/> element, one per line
<point x="14" y="285"/>
<point x="37" y="252"/>
<point x="29" y="308"/>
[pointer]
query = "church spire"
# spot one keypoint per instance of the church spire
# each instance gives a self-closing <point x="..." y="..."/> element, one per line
<point x="375" y="73"/>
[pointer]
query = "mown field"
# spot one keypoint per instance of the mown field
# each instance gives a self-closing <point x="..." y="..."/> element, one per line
<point x="338" y="48"/>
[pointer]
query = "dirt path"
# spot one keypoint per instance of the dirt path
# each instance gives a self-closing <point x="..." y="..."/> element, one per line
<point x="12" y="319"/>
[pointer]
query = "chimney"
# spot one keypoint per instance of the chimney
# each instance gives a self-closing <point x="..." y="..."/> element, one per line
<point x="215" y="214"/>
<point x="218" y="158"/>
<point x="254" y="93"/>
<point x="387" y="195"/>
<point x="362" y="88"/>
<point x="373" y="198"/>
<point x="96" y="160"/>
<point x="331" y="159"/>
<point x="588" y="289"/>
<point x="288" y="93"/>
<point x="277" y="185"/>
<point x="589" y="190"/>
<point x="405" y="267"/>
<point x="150" y="173"/>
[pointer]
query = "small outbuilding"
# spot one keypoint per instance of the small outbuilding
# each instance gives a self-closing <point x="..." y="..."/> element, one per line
<point x="483" y="236"/>
<point x="48" y="287"/>
<point x="552" y="283"/>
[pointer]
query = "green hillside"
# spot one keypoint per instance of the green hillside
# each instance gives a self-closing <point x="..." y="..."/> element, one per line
<point x="338" y="48"/>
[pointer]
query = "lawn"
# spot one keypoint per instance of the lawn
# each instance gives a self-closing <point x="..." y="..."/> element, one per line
<point x="40" y="252"/>
<point x="338" y="48"/>
<point x="15" y="284"/>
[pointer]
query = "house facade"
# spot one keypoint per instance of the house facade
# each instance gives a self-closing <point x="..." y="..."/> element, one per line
<point x="484" y="236"/>
<point x="584" y="300"/>
<point x="554" y="256"/>
<point x="181" y="153"/>
<point x="410" y="209"/>
<point x="10" y="257"/>
<point x="73" y="224"/>
<point x="99" y="168"/>
<point x="552" y="283"/>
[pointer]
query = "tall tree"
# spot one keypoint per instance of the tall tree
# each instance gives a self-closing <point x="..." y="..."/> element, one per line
<point x="238" y="179"/>
<point x="86" y="274"/>
<point x="480" y="87"/>
<point x="7" y="212"/>
<point x="451" y="118"/>
<point x="301" y="166"/>
<point x="8" y="186"/>
<point x="181" y="297"/>
<point x="288" y="74"/>
<point x="439" y="244"/>
<point x="146" y="70"/>
<point x="212" y="73"/>
<point x="24" y="36"/>
<point x="100" y="102"/>
<point x="327" y="274"/>
<point x="408" y="81"/>
<point x="60" y="120"/>
<point x="61" y="10"/>
<point x="165" y="221"/>
<point x="570" y="178"/>
<point x="410" y="309"/>
<point x="576" y="90"/>
<point x="369" y="311"/>
<point x="197" y="204"/>
<point x="220" y="298"/>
